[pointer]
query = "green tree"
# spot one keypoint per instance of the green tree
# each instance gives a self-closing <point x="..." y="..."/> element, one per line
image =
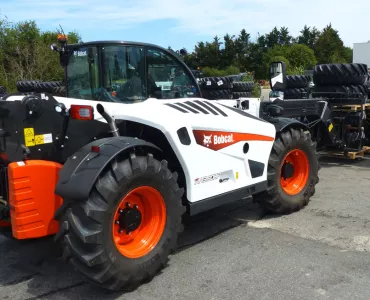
<point x="25" y="53"/>
<point x="301" y="56"/>
<point x="297" y="56"/>
<point x="284" y="37"/>
<point x="348" y="54"/>
<point x="329" y="47"/>
<point x="308" y="36"/>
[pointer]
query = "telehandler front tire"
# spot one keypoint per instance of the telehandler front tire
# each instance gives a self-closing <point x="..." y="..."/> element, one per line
<point x="292" y="172"/>
<point x="122" y="235"/>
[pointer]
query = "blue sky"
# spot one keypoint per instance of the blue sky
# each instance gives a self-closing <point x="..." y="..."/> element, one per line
<point x="183" y="23"/>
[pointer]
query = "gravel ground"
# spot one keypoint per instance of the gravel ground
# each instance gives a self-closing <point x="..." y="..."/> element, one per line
<point x="321" y="252"/>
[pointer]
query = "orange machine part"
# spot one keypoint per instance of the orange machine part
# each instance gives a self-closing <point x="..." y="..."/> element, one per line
<point x="31" y="198"/>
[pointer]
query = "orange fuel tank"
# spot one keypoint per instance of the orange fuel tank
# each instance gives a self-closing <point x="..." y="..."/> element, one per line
<point x="31" y="198"/>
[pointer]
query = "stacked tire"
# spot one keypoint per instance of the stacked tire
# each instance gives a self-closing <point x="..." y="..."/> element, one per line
<point x="26" y="86"/>
<point x="242" y="89"/>
<point x="36" y="86"/>
<point x="216" y="88"/>
<point x="47" y="86"/>
<point x="367" y="84"/>
<point x="297" y="87"/>
<point x="341" y="81"/>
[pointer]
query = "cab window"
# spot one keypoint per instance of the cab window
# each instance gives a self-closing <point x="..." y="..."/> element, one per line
<point x="124" y="73"/>
<point x="83" y="73"/>
<point x="167" y="78"/>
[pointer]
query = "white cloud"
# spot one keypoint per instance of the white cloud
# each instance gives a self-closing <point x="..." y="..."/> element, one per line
<point x="203" y="17"/>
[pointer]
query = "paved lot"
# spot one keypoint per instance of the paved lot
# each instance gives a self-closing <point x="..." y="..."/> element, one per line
<point x="321" y="252"/>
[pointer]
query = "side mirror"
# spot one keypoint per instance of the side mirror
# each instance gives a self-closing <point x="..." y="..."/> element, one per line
<point x="54" y="47"/>
<point x="277" y="74"/>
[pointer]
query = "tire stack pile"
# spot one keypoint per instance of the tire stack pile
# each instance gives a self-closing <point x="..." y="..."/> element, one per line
<point x="297" y="87"/>
<point x="215" y="88"/>
<point x="341" y="81"/>
<point x="242" y="89"/>
<point x="35" y="86"/>
<point x="367" y="83"/>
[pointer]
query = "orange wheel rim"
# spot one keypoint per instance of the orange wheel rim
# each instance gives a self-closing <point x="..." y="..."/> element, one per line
<point x="297" y="161"/>
<point x="139" y="222"/>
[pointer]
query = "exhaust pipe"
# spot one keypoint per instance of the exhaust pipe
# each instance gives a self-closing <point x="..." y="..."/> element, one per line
<point x="109" y="119"/>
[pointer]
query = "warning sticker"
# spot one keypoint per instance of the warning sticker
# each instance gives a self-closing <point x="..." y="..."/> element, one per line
<point x="29" y="134"/>
<point x="43" y="139"/>
<point x="31" y="139"/>
<point x="39" y="139"/>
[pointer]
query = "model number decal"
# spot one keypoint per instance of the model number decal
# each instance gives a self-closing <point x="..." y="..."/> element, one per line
<point x="207" y="178"/>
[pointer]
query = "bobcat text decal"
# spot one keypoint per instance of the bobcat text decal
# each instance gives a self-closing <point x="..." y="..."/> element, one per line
<point x="217" y="140"/>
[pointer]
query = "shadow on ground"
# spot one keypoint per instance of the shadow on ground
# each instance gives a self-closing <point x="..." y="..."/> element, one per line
<point x="33" y="267"/>
<point x="332" y="162"/>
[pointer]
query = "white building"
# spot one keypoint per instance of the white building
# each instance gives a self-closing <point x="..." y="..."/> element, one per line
<point x="361" y="53"/>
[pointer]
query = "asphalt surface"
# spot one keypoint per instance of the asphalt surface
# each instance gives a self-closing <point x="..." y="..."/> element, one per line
<point x="238" y="252"/>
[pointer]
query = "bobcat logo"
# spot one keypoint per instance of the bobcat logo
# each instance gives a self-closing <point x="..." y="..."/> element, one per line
<point x="207" y="140"/>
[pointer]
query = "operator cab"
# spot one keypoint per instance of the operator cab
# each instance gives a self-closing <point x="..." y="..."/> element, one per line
<point x="125" y="72"/>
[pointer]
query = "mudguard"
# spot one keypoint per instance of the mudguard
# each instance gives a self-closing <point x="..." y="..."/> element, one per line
<point x="283" y="123"/>
<point x="81" y="170"/>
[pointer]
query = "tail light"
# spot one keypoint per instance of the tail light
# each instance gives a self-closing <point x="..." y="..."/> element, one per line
<point x="82" y="112"/>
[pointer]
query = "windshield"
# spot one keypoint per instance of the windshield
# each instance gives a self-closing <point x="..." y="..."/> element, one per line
<point x="82" y="73"/>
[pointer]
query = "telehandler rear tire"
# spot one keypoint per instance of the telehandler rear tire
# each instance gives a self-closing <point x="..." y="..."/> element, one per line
<point x="292" y="172"/>
<point x="122" y="235"/>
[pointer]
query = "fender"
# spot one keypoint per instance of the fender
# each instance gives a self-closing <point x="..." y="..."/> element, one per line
<point x="81" y="170"/>
<point x="283" y="123"/>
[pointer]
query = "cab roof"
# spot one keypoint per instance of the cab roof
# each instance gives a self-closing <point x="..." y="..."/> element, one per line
<point x="116" y="42"/>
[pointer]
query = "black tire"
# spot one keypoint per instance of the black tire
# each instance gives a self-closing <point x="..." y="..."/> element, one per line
<point x="367" y="84"/>
<point x="296" y="93"/>
<point x="337" y="92"/>
<point x="86" y="227"/>
<point x="237" y="95"/>
<point x="297" y="81"/>
<point x="47" y="86"/>
<point x="26" y="86"/>
<point x="60" y="91"/>
<point x="275" y="199"/>
<point x="243" y="86"/>
<point x="217" y="94"/>
<point x="339" y="74"/>
<point x="216" y="83"/>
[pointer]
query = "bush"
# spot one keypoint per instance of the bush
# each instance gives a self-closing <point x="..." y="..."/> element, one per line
<point x="212" y="72"/>
<point x="299" y="70"/>
<point x="232" y="70"/>
<point x="249" y="76"/>
<point x="256" y="92"/>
